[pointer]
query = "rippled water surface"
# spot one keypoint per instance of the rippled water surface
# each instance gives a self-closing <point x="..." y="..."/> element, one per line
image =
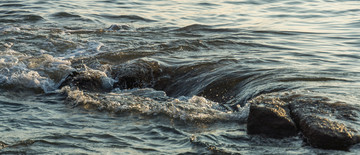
<point x="167" y="77"/>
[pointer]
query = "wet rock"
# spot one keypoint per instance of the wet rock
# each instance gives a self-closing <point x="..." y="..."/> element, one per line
<point x="139" y="74"/>
<point x="86" y="80"/>
<point x="324" y="133"/>
<point x="323" y="124"/>
<point x="326" y="125"/>
<point x="135" y="74"/>
<point x="270" y="118"/>
<point x="116" y="27"/>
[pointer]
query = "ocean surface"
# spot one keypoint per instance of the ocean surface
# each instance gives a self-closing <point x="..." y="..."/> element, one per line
<point x="167" y="77"/>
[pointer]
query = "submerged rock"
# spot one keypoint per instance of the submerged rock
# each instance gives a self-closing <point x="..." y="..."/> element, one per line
<point x="270" y="118"/>
<point x="116" y="27"/>
<point x="323" y="125"/>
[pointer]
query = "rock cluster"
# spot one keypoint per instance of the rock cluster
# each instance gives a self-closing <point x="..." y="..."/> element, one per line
<point x="140" y="74"/>
<point x="323" y="125"/>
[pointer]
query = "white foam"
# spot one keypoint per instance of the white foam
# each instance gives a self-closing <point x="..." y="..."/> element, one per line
<point x="27" y="72"/>
<point x="50" y="66"/>
<point x="8" y="60"/>
<point x="14" y="72"/>
<point x="107" y="82"/>
<point x="90" y="49"/>
<point x="31" y="79"/>
<point x="8" y="44"/>
<point x="9" y="29"/>
<point x="195" y="109"/>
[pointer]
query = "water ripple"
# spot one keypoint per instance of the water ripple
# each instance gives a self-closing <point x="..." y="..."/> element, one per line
<point x="65" y="15"/>
<point x="127" y="18"/>
<point x="157" y="76"/>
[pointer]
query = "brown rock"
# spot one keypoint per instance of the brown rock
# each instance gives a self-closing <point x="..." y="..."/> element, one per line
<point x="326" y="125"/>
<point x="270" y="118"/>
<point x="323" y="124"/>
<point x="323" y="133"/>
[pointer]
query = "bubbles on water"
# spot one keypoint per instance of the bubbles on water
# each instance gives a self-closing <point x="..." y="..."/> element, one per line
<point x="94" y="46"/>
<point x="23" y="72"/>
<point x="14" y="72"/>
<point x="9" y="29"/>
<point x="196" y="108"/>
<point x="30" y="79"/>
<point x="89" y="49"/>
<point x="8" y="60"/>
<point x="8" y="45"/>
<point x="106" y="82"/>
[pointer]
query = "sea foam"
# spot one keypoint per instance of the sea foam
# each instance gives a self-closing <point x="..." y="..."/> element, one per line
<point x="25" y="72"/>
<point x="196" y="108"/>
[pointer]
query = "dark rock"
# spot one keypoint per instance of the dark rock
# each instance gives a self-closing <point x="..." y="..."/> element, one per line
<point x="323" y="124"/>
<point x="270" y="118"/>
<point x="116" y="27"/>
<point x="85" y="80"/>
<point x="323" y="133"/>
<point x="136" y="74"/>
<point x="326" y="125"/>
<point x="139" y="74"/>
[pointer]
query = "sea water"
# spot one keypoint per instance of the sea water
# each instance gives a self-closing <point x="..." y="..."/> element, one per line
<point x="173" y="77"/>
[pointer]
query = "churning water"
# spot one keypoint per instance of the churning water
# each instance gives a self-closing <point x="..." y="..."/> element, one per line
<point x="167" y="77"/>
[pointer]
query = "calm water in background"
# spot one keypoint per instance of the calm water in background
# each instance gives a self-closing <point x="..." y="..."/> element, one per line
<point x="198" y="62"/>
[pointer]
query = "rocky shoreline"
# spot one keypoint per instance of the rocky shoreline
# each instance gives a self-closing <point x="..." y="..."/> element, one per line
<point x="320" y="123"/>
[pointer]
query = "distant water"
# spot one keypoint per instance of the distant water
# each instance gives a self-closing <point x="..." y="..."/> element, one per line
<point x="175" y="76"/>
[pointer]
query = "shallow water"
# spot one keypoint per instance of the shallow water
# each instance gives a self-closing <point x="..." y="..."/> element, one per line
<point x="175" y="76"/>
